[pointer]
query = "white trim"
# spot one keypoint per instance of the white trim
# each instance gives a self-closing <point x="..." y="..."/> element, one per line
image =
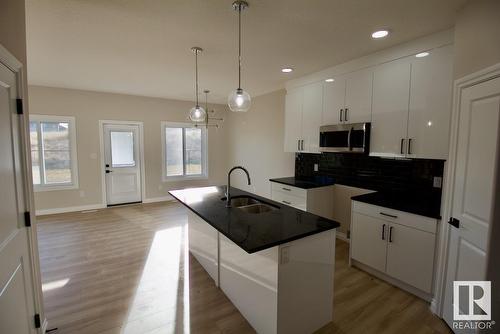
<point x="44" y="212"/>
<point x="204" y="153"/>
<point x="101" y="155"/>
<point x="73" y="152"/>
<point x="9" y="60"/>
<point x="343" y="236"/>
<point x="167" y="198"/>
<point x="45" y="324"/>
<point x="441" y="268"/>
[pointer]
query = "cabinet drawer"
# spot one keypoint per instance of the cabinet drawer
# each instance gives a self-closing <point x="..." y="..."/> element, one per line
<point x="288" y="199"/>
<point x="294" y="191"/>
<point x="400" y="217"/>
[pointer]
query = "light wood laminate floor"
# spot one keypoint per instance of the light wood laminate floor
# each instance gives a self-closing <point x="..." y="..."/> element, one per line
<point x="127" y="270"/>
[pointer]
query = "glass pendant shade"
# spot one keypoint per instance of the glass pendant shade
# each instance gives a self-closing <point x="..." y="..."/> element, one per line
<point x="239" y="101"/>
<point x="197" y="114"/>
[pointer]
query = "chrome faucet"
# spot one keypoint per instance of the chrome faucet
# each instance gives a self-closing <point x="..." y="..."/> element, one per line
<point x="228" y="195"/>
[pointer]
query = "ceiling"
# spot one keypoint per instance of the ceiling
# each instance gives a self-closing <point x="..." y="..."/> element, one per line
<point x="142" y="47"/>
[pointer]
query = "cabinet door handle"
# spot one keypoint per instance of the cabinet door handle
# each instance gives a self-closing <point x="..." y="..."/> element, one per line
<point x="383" y="232"/>
<point x="346" y="112"/>
<point x="286" y="202"/>
<point x="302" y="145"/>
<point x="409" y="146"/>
<point x="390" y="234"/>
<point x="402" y="145"/>
<point x="287" y="189"/>
<point x="341" y="111"/>
<point x="298" y="145"/>
<point x="388" y="215"/>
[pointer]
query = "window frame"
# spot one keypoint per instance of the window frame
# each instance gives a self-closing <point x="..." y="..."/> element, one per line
<point x="72" y="152"/>
<point x="204" y="152"/>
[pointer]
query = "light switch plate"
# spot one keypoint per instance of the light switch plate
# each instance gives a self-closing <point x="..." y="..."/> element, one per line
<point x="316" y="167"/>
<point x="437" y="182"/>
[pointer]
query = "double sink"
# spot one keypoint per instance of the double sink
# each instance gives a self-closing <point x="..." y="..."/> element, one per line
<point x="250" y="205"/>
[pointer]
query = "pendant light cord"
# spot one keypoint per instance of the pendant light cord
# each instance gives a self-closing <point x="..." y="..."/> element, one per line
<point x="239" y="45"/>
<point x="196" y="76"/>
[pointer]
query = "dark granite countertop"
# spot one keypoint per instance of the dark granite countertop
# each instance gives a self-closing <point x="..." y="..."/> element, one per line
<point x="252" y="232"/>
<point x="413" y="202"/>
<point x="306" y="183"/>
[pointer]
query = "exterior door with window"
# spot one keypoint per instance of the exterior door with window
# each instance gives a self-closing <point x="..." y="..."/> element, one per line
<point x="16" y="281"/>
<point x="122" y="163"/>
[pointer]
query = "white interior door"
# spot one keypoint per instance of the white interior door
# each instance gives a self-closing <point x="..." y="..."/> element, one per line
<point x="473" y="190"/>
<point x="122" y="163"/>
<point x="16" y="284"/>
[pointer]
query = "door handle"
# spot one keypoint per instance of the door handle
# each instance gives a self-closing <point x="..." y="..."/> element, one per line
<point x="341" y="110"/>
<point x="346" y="113"/>
<point x="409" y="146"/>
<point x="109" y="171"/>
<point x="390" y="234"/>
<point x="383" y="232"/>
<point x="454" y="222"/>
<point x="107" y="165"/>
<point x="402" y="145"/>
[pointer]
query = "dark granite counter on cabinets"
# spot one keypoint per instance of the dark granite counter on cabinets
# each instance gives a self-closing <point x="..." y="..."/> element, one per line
<point x="251" y="232"/>
<point x="306" y="183"/>
<point x="412" y="202"/>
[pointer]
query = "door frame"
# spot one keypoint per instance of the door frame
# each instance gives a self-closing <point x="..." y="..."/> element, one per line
<point x="141" y="155"/>
<point x="11" y="62"/>
<point x="492" y="72"/>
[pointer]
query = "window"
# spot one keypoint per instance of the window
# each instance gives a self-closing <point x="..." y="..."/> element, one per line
<point x="184" y="151"/>
<point x="53" y="152"/>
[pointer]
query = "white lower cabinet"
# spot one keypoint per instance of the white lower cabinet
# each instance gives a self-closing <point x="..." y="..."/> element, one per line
<point x="316" y="200"/>
<point x="400" y="246"/>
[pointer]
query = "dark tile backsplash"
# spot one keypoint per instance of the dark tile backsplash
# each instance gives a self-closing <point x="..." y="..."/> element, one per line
<point x="381" y="174"/>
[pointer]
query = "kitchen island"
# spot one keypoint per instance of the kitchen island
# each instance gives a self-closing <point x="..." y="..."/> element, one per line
<point x="274" y="262"/>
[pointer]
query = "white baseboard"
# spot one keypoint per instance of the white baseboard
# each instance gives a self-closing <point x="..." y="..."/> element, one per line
<point x="44" y="212"/>
<point x="434" y="307"/>
<point x="158" y="199"/>
<point x="44" y="326"/>
<point x="342" y="236"/>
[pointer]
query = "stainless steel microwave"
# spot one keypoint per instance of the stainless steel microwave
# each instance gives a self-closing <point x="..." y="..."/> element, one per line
<point x="349" y="138"/>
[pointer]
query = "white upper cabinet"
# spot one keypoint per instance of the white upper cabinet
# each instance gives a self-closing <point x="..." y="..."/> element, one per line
<point x="303" y="108"/>
<point x="348" y="99"/>
<point x="333" y="101"/>
<point x="293" y="119"/>
<point x="391" y="92"/>
<point x="430" y="104"/>
<point x="311" y="116"/>
<point x="358" y="96"/>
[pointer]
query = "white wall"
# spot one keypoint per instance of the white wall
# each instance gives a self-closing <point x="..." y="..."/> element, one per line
<point x="90" y="107"/>
<point x="255" y="141"/>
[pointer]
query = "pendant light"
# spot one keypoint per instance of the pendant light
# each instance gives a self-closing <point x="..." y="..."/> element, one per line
<point x="239" y="100"/>
<point x="197" y="113"/>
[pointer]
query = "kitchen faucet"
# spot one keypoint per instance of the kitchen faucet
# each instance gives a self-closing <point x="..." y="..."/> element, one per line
<point x="228" y="195"/>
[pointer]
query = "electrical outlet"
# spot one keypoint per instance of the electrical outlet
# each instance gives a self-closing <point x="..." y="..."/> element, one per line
<point x="285" y="254"/>
<point x="316" y="167"/>
<point x="437" y="182"/>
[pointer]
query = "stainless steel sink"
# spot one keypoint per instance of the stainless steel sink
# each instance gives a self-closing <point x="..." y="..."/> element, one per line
<point x="250" y="205"/>
<point x="257" y="208"/>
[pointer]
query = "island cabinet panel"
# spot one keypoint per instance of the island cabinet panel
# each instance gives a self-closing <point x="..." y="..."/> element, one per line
<point x="250" y="281"/>
<point x="203" y="245"/>
<point x="305" y="281"/>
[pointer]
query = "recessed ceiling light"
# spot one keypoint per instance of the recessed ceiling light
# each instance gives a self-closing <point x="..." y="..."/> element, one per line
<point x="422" y="54"/>
<point x="286" y="70"/>
<point x="330" y="80"/>
<point x="380" y="34"/>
